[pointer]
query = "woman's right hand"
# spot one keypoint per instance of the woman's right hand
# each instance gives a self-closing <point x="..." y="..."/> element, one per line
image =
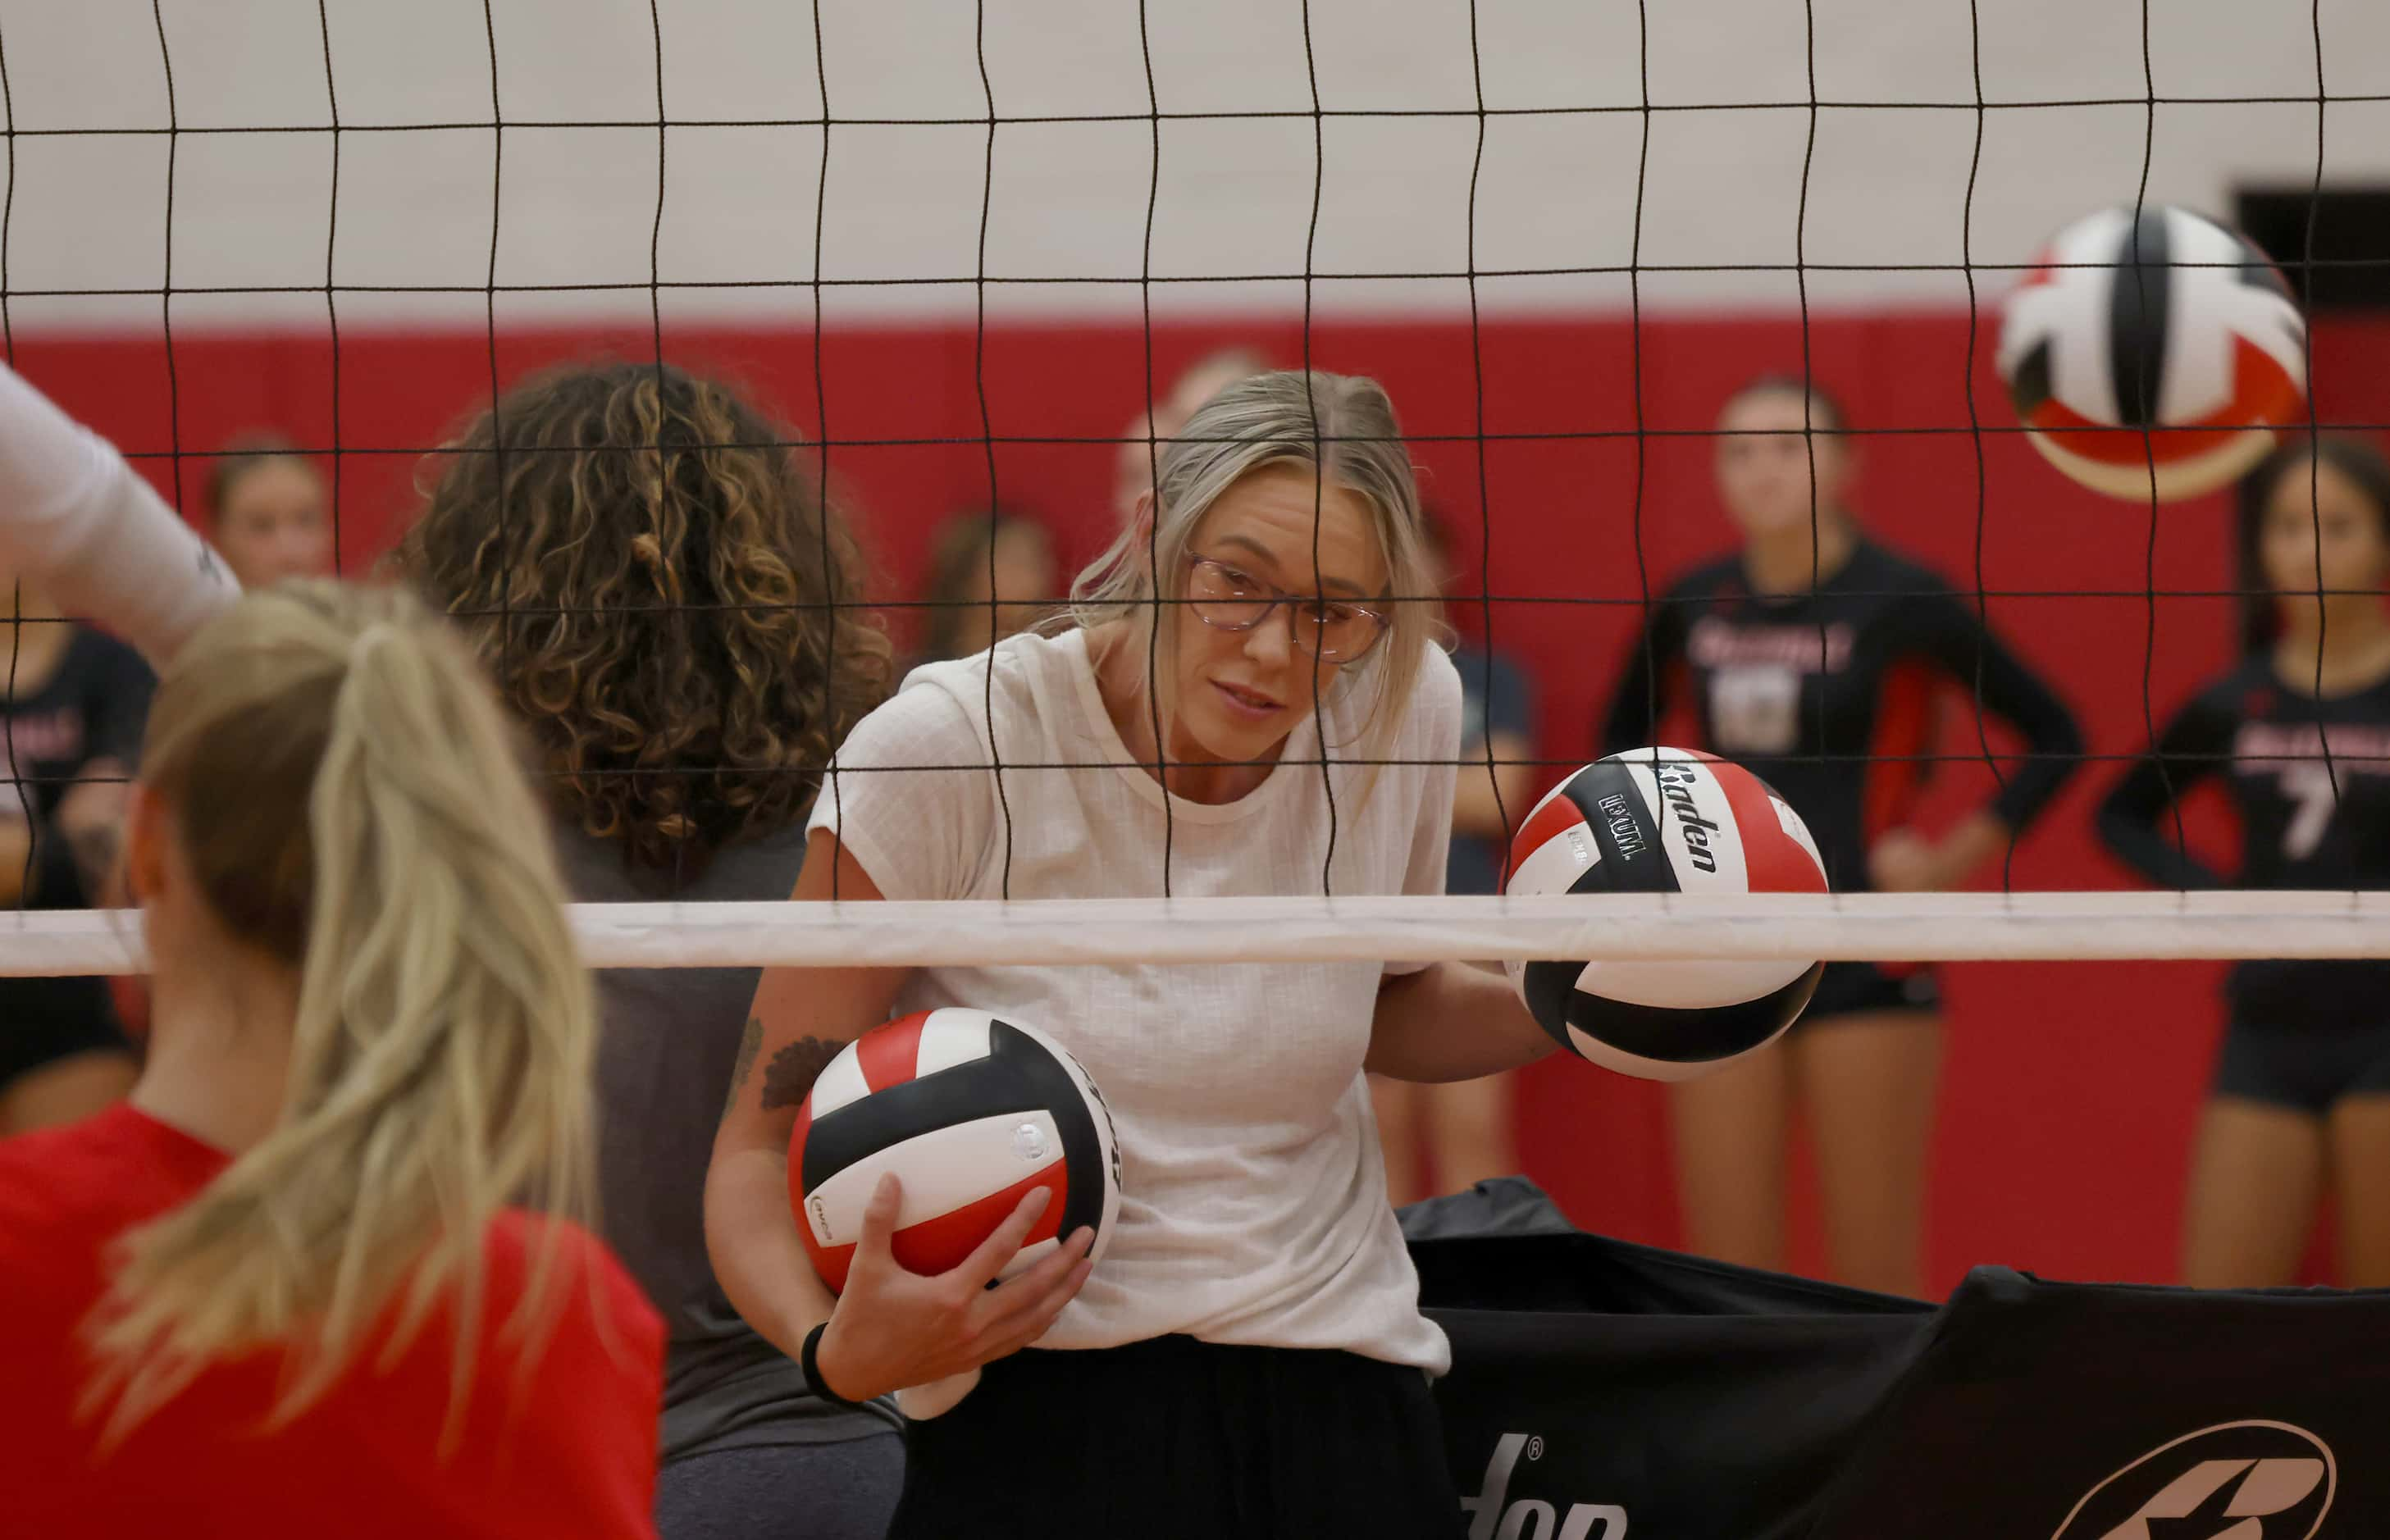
<point x="895" y="1328"/>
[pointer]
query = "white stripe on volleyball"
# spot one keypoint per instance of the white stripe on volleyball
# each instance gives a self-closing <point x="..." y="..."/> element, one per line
<point x="840" y="1083"/>
<point x="1790" y="822"/>
<point x="2021" y="927"/>
<point x="951" y="1037"/>
<point x="944" y="1170"/>
<point x="1551" y="866"/>
<point x="2200" y="369"/>
<point x="2073" y="305"/>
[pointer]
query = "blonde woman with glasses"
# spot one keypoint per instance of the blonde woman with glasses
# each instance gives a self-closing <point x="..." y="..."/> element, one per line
<point x="1250" y="1357"/>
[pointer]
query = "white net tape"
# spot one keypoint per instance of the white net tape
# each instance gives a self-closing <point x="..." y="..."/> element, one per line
<point x="1858" y="927"/>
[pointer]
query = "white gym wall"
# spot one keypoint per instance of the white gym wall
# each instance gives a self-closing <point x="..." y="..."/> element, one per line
<point x="1885" y="186"/>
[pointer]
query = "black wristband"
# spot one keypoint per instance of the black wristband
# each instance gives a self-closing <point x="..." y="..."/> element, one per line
<point x="808" y="1361"/>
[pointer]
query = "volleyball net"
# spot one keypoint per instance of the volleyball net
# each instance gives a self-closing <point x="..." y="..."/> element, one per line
<point x="1561" y="236"/>
<point x="2024" y="927"/>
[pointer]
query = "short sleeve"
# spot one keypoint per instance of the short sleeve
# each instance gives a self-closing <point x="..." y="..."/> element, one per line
<point x="1432" y="738"/>
<point x="912" y="798"/>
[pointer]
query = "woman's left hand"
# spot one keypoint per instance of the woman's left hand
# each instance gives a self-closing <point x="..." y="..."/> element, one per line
<point x="1903" y="861"/>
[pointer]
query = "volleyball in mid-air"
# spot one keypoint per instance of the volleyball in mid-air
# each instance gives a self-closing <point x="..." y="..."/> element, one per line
<point x="971" y="1112"/>
<point x="2153" y="350"/>
<point x="1664" y="821"/>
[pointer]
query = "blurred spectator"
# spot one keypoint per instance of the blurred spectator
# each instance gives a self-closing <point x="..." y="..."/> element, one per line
<point x="1816" y="658"/>
<point x="1132" y="465"/>
<point x="1445" y="1138"/>
<point x="991" y="575"/>
<point x="2297" y="734"/>
<point x="71" y="725"/>
<point x="266" y="511"/>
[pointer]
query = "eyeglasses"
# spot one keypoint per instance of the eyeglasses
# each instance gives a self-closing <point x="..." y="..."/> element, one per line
<point x="1229" y="599"/>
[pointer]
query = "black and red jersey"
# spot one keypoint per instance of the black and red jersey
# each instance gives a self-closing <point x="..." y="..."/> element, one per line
<point x="2309" y="777"/>
<point x="1829" y="695"/>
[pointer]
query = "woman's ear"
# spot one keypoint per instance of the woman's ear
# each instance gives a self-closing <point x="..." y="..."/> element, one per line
<point x="148" y="829"/>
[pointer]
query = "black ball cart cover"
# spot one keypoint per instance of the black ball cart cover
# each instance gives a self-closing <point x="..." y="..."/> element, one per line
<point x="1601" y="1390"/>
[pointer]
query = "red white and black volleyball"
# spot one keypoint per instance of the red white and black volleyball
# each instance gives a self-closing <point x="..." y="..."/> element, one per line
<point x="973" y="1112"/>
<point x="2153" y="354"/>
<point x="1664" y="821"/>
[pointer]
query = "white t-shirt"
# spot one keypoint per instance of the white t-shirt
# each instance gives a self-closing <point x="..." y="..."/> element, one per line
<point x="1254" y="1199"/>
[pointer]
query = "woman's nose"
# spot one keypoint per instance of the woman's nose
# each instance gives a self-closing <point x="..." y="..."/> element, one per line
<point x="1272" y="642"/>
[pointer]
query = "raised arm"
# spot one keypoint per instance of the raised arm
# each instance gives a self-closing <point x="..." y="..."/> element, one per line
<point x="88" y="532"/>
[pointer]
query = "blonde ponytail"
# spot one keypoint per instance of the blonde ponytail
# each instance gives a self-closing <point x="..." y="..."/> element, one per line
<point x="441" y="1059"/>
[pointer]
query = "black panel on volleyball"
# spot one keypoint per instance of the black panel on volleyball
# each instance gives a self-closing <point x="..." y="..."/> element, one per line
<point x="1018" y="1075"/>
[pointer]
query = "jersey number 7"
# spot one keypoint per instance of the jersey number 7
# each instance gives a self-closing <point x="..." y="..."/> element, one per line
<point x="2314" y="797"/>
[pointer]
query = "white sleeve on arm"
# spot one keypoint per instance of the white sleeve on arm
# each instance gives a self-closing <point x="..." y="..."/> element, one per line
<point x="911" y="799"/>
<point x="83" y="526"/>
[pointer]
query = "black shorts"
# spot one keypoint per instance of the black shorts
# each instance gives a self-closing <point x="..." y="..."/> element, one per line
<point x="1848" y="988"/>
<point x="44" y="1021"/>
<point x="1175" y="1438"/>
<point x="2304" y="1067"/>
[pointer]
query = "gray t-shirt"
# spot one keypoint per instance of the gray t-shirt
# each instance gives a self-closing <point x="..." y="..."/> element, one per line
<point x="664" y="1059"/>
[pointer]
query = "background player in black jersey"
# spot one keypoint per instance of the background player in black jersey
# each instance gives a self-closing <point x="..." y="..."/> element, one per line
<point x="1814" y="657"/>
<point x="73" y="705"/>
<point x="2300" y="734"/>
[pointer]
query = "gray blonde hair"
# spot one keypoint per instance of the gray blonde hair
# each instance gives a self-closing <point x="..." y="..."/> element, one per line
<point x="1343" y="429"/>
<point x="353" y="805"/>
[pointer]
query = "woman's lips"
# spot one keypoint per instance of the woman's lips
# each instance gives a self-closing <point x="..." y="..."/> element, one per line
<point x="1252" y="705"/>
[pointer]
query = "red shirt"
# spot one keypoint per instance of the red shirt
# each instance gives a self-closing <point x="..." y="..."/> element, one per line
<point x="567" y="1449"/>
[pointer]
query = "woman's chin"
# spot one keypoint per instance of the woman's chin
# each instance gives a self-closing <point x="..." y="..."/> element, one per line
<point x="1775" y="524"/>
<point x="1228" y="742"/>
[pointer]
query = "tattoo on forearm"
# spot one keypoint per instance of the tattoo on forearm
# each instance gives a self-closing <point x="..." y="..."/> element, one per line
<point x="751" y="1043"/>
<point x="794" y="1069"/>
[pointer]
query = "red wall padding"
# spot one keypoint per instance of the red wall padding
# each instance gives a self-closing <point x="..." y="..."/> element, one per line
<point x="2071" y="1090"/>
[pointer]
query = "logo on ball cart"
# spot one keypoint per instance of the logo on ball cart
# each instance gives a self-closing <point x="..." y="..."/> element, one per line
<point x="2235" y="1481"/>
<point x="1492" y="1517"/>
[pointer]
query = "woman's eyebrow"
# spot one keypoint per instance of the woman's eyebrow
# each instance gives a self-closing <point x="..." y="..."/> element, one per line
<point x="1326" y="584"/>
